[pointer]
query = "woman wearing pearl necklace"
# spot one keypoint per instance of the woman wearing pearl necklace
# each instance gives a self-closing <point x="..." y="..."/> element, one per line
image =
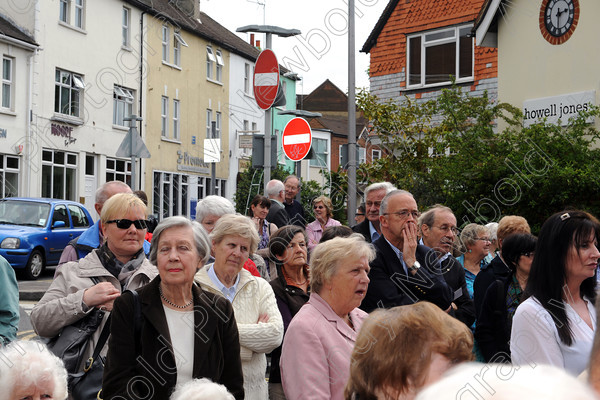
<point x="183" y="332"/>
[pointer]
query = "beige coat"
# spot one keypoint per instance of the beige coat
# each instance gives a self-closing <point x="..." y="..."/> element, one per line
<point x="254" y="297"/>
<point x="62" y="303"/>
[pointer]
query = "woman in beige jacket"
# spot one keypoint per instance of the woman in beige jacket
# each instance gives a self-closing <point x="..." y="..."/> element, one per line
<point x="119" y="264"/>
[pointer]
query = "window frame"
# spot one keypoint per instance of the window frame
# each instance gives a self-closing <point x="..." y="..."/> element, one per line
<point x="64" y="11"/>
<point x="219" y="66"/>
<point x="164" y="115"/>
<point x="126" y="97"/>
<point x="373" y="152"/>
<point x="79" y="14"/>
<point x="208" y="123"/>
<point x="165" y="43"/>
<point x="218" y="120"/>
<point x="327" y="153"/>
<point x="210" y="61"/>
<point x="427" y="41"/>
<point x="176" y="119"/>
<point x="76" y="85"/>
<point x="8" y="82"/>
<point x="246" y="78"/>
<point x="126" y="27"/>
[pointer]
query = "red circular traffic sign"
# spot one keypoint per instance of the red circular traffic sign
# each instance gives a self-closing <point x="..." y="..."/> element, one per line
<point x="266" y="79"/>
<point x="296" y="139"/>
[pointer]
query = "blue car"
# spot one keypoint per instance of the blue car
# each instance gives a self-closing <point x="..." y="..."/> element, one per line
<point x="34" y="231"/>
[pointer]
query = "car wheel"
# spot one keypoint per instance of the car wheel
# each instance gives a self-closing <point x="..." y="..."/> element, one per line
<point x="35" y="265"/>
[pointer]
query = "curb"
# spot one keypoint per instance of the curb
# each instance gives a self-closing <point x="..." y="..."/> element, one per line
<point x="31" y="295"/>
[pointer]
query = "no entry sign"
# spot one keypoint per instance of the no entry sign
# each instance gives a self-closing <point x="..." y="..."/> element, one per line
<point x="266" y="79"/>
<point x="297" y="138"/>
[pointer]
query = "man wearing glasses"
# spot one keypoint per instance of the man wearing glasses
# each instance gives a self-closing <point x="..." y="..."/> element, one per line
<point x="438" y="232"/>
<point x="402" y="272"/>
<point x="374" y="194"/>
<point x="293" y="208"/>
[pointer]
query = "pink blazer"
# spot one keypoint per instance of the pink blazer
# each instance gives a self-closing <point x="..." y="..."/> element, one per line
<point x="315" y="360"/>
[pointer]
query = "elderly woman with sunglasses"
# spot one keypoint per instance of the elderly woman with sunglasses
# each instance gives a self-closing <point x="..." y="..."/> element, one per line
<point x="98" y="279"/>
<point x="323" y="210"/>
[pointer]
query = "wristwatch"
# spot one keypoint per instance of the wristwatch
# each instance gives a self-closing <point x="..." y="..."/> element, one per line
<point x="415" y="267"/>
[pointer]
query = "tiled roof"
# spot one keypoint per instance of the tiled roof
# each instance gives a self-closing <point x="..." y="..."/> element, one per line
<point x="9" y="29"/>
<point x="206" y="28"/>
<point x="418" y="15"/>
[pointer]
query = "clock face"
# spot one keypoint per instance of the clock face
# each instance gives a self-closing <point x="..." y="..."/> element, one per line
<point x="560" y="15"/>
<point x="558" y="19"/>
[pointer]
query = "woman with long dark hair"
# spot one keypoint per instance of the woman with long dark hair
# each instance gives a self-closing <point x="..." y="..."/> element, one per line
<point x="555" y="324"/>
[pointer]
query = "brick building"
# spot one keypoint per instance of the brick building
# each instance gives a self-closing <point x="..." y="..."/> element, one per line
<point x="417" y="45"/>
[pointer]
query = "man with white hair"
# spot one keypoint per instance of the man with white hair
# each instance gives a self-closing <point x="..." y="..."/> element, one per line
<point x="374" y="194"/>
<point x="277" y="215"/>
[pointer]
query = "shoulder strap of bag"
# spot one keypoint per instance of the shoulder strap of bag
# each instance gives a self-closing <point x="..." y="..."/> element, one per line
<point x="137" y="318"/>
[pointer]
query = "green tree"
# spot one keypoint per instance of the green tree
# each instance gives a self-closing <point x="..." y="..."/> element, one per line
<point x="449" y="150"/>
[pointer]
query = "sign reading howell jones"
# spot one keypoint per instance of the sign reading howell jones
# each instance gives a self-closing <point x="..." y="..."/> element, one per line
<point x="558" y="108"/>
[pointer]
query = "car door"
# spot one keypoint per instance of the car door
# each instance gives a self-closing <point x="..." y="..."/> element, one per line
<point x="60" y="235"/>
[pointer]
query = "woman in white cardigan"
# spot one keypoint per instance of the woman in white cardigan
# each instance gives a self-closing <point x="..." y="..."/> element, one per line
<point x="258" y="319"/>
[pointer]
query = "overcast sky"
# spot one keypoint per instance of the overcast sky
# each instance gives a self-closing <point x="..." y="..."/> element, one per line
<point x="321" y="51"/>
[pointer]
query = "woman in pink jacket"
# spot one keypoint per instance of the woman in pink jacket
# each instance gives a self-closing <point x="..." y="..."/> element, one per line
<point x="315" y="360"/>
<point x="323" y="210"/>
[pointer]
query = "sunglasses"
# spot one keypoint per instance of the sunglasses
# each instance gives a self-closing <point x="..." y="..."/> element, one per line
<point x="126" y="223"/>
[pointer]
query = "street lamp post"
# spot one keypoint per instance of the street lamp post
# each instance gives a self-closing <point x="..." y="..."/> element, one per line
<point x="269" y="30"/>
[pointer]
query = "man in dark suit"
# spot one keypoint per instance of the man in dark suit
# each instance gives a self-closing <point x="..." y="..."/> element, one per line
<point x="374" y="193"/>
<point x="275" y="191"/>
<point x="438" y="231"/>
<point x="403" y="272"/>
<point x="293" y="208"/>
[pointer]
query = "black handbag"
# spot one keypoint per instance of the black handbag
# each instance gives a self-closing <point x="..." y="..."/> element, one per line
<point x="87" y="385"/>
<point x="71" y="343"/>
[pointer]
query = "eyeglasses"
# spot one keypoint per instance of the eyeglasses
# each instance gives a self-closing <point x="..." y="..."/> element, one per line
<point x="126" y="223"/>
<point x="529" y="254"/>
<point x="405" y="214"/>
<point x="359" y="214"/>
<point x="446" y="228"/>
<point x="484" y="239"/>
<point x="318" y="207"/>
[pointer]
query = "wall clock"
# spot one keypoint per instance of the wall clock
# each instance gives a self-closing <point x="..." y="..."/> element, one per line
<point x="558" y="19"/>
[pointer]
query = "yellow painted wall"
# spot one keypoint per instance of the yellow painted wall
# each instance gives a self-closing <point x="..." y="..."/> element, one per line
<point x="195" y="92"/>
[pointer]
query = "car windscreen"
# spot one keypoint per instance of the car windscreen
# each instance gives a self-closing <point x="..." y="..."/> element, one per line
<point x="26" y="213"/>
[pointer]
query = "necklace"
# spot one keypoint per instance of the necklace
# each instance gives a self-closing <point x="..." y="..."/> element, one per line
<point x="292" y="279"/>
<point x="162" y="296"/>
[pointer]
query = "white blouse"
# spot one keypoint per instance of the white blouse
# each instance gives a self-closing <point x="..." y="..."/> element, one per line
<point x="534" y="338"/>
<point x="181" y="328"/>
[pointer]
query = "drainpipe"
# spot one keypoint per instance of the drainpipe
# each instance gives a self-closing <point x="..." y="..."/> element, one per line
<point x="141" y="89"/>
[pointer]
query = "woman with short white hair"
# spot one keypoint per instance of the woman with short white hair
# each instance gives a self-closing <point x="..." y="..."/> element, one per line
<point x="210" y="209"/>
<point x="202" y="389"/>
<point x="258" y="319"/>
<point x="28" y="370"/>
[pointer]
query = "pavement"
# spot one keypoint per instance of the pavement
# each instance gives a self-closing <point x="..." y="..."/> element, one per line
<point x="34" y="290"/>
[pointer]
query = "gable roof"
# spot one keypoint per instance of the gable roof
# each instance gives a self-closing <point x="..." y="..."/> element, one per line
<point x="9" y="29"/>
<point x="372" y="39"/>
<point x="486" y="23"/>
<point x="420" y="15"/>
<point x="205" y="27"/>
<point x="326" y="97"/>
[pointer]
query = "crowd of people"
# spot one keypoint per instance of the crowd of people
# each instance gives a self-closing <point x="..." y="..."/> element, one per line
<point x="288" y="303"/>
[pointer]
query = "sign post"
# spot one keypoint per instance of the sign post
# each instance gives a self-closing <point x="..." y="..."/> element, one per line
<point x="297" y="139"/>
